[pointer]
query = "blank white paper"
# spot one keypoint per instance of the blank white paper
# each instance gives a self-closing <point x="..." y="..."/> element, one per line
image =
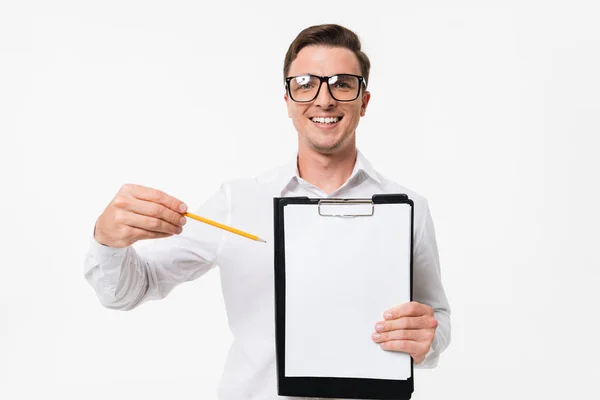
<point x="341" y="275"/>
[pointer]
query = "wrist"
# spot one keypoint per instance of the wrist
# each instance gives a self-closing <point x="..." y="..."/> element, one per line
<point x="99" y="239"/>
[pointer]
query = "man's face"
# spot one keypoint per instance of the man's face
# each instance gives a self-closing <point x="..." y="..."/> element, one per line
<point x="326" y="138"/>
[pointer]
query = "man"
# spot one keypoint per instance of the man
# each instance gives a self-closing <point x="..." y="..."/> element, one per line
<point x="326" y="76"/>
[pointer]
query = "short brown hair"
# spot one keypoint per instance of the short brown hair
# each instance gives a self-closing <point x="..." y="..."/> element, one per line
<point x="327" y="35"/>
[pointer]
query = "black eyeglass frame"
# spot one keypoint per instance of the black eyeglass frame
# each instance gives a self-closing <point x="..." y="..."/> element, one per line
<point x="361" y="81"/>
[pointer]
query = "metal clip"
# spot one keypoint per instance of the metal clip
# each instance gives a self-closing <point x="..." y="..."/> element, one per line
<point x="367" y="210"/>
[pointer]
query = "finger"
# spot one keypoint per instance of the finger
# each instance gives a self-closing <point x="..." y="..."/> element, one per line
<point x="149" y="224"/>
<point x="417" y="335"/>
<point x="406" y="346"/>
<point x="155" y="196"/>
<point x="422" y="322"/>
<point x="412" y="309"/>
<point x="136" y="234"/>
<point x="155" y="210"/>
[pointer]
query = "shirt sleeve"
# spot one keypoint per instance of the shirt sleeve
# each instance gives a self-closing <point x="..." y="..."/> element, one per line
<point x="124" y="278"/>
<point x="428" y="289"/>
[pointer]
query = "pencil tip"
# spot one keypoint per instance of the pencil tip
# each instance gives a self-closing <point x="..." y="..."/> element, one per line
<point x="262" y="240"/>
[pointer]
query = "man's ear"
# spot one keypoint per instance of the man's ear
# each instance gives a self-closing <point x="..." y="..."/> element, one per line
<point x="285" y="98"/>
<point x="365" y="101"/>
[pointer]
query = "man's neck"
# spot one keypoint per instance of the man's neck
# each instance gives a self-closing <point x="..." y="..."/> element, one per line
<point x="326" y="171"/>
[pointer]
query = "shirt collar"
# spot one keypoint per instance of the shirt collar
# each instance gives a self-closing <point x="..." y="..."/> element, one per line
<point x="288" y="172"/>
<point x="362" y="164"/>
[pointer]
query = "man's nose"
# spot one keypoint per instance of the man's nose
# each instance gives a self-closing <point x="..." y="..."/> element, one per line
<point x="324" y="98"/>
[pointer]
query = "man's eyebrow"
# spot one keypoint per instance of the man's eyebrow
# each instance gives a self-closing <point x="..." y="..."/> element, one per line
<point x="337" y="73"/>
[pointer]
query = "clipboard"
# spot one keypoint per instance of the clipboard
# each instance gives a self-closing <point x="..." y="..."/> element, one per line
<point x="321" y="299"/>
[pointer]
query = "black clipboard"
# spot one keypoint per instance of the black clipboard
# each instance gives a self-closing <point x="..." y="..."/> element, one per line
<point x="325" y="386"/>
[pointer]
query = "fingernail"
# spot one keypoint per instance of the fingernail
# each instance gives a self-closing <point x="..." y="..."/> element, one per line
<point x="376" y="336"/>
<point x="182" y="207"/>
<point x="182" y="221"/>
<point x="387" y="315"/>
<point x="379" y="327"/>
<point x="179" y="230"/>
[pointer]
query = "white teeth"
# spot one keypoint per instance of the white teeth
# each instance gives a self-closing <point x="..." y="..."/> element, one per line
<point x="327" y="120"/>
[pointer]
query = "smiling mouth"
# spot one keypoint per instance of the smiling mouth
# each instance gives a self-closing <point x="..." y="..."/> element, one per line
<point x="326" y="120"/>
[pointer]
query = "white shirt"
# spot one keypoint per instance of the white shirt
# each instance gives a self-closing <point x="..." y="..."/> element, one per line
<point x="124" y="278"/>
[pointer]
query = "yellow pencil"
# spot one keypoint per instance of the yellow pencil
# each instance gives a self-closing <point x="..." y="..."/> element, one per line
<point x="227" y="228"/>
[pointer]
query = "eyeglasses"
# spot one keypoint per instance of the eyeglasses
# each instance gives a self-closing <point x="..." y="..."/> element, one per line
<point x="342" y="87"/>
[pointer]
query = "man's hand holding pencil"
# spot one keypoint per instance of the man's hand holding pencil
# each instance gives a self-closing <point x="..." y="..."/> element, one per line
<point x="138" y="213"/>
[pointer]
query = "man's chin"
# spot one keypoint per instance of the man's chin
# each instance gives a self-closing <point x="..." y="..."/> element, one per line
<point x="327" y="148"/>
<point x="326" y="144"/>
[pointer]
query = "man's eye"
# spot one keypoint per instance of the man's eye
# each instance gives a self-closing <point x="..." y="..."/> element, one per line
<point x="343" y="85"/>
<point x="305" y="86"/>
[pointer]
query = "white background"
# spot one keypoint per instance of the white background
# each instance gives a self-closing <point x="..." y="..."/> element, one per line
<point x="489" y="109"/>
